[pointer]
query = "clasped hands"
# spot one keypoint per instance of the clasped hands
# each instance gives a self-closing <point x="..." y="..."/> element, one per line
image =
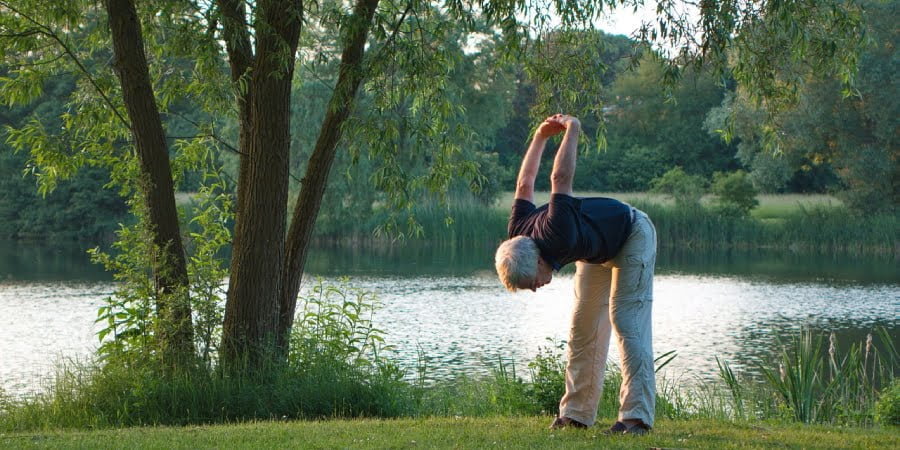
<point x="556" y="124"/>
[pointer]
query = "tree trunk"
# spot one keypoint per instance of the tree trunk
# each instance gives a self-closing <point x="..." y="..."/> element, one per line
<point x="240" y="59"/>
<point x="251" y="312"/>
<point x="314" y="181"/>
<point x="169" y="267"/>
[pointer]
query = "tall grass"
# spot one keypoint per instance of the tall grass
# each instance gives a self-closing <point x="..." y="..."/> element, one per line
<point x="809" y="385"/>
<point x="821" y="230"/>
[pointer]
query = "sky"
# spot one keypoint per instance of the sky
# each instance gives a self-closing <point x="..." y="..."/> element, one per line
<point x="625" y="21"/>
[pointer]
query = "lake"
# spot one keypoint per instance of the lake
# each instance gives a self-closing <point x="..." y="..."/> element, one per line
<point x="449" y="304"/>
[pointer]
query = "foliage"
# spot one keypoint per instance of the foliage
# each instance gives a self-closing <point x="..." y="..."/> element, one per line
<point x="129" y="319"/>
<point x="735" y="194"/>
<point x="334" y="324"/>
<point x="212" y="217"/>
<point x="826" y="138"/>
<point x="685" y="189"/>
<point x="887" y="410"/>
<point x="77" y="209"/>
<point x="548" y="377"/>
<point x="665" y="122"/>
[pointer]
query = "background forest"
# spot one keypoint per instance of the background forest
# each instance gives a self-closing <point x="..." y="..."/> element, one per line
<point x="833" y="142"/>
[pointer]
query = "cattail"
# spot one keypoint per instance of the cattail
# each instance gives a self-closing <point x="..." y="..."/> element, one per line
<point x="868" y="351"/>
<point x="831" y="346"/>
<point x="832" y="349"/>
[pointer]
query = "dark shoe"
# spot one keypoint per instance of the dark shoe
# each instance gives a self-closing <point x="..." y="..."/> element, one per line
<point x="637" y="430"/>
<point x="617" y="428"/>
<point x="565" y="422"/>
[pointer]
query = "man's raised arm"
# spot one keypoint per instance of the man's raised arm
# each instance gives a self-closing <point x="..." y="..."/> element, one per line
<point x="564" y="164"/>
<point x="532" y="160"/>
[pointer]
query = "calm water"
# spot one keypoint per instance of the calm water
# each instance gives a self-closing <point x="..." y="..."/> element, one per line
<point x="450" y="304"/>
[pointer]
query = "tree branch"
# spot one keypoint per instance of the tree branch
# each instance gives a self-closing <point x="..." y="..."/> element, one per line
<point x="48" y="32"/>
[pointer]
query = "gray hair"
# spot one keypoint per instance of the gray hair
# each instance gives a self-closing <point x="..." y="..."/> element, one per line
<point x="516" y="259"/>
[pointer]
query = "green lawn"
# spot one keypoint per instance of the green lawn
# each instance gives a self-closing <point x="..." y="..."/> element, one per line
<point x="464" y="433"/>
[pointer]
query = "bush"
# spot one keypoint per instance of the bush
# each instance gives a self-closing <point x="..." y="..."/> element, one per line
<point x="685" y="189"/>
<point x="735" y="194"/>
<point x="887" y="410"/>
<point x="548" y="377"/>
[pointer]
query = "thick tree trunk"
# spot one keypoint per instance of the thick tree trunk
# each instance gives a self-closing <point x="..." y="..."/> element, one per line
<point x="314" y="181"/>
<point x="170" y="269"/>
<point x="251" y="312"/>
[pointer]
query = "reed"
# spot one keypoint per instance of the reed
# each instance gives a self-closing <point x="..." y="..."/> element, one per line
<point x="807" y="384"/>
<point x="808" y="225"/>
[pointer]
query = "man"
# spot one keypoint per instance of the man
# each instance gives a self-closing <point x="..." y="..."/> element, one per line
<point x="613" y="247"/>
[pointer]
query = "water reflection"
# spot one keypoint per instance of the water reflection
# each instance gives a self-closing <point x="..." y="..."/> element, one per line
<point x="39" y="261"/>
<point x="69" y="261"/>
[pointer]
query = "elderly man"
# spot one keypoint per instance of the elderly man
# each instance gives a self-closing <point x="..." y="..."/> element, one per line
<point x="613" y="247"/>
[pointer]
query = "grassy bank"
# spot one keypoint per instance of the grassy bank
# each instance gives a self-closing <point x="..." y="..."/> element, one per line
<point x="448" y="432"/>
<point x="815" y="223"/>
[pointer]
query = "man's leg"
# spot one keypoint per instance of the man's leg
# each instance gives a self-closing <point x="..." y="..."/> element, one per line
<point x="588" y="343"/>
<point x="631" y="304"/>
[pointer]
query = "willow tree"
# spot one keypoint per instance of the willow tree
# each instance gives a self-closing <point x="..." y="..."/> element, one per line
<point x="241" y="58"/>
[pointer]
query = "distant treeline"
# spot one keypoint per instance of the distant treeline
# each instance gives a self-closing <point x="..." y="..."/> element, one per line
<point x="829" y="142"/>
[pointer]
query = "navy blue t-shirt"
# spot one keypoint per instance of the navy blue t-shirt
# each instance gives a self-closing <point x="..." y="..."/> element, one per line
<point x="573" y="229"/>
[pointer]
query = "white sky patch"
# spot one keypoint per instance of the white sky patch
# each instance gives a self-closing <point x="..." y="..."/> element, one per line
<point x="627" y="20"/>
<point x="624" y="20"/>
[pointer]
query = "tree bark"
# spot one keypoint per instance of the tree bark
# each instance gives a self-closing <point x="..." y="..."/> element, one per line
<point x="169" y="267"/>
<point x="240" y="60"/>
<point x="251" y="311"/>
<point x="316" y="177"/>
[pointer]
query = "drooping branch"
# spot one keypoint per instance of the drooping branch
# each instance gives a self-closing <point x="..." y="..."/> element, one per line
<point x="50" y="33"/>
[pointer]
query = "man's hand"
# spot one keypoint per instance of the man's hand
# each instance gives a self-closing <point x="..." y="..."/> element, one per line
<point x="564" y="121"/>
<point x="551" y="127"/>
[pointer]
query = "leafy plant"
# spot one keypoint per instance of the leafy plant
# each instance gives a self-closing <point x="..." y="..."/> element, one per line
<point x="548" y="376"/>
<point x="334" y="324"/>
<point x="887" y="410"/>
<point x="685" y="189"/>
<point x="735" y="194"/>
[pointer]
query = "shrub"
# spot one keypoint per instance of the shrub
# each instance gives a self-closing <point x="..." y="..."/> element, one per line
<point x="887" y="410"/>
<point x="735" y="194"/>
<point x="548" y="377"/>
<point x="685" y="189"/>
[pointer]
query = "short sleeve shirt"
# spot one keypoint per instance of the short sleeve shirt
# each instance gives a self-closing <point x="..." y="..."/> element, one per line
<point x="573" y="229"/>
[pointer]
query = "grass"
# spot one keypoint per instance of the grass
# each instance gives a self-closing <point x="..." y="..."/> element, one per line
<point x="781" y="206"/>
<point x="458" y="432"/>
<point x="771" y="206"/>
<point x="800" y="223"/>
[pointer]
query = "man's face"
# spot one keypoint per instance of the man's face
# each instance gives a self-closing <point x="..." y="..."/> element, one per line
<point x="543" y="276"/>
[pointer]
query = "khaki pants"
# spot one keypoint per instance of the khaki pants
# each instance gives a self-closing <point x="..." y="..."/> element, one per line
<point x="617" y="294"/>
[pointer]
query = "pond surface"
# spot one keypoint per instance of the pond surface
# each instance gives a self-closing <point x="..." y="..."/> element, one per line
<point x="449" y="304"/>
